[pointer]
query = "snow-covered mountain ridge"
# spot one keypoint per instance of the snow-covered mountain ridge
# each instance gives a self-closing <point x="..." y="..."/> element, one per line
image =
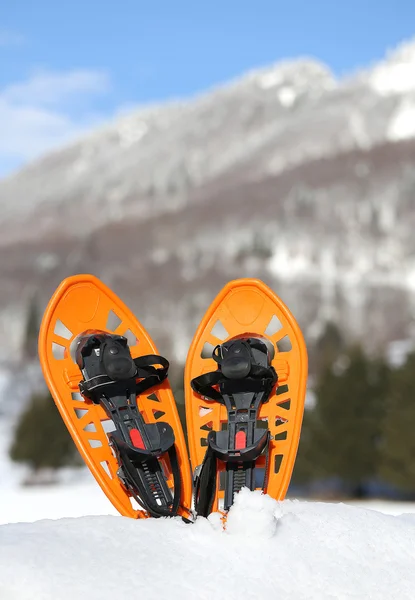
<point x="287" y="173"/>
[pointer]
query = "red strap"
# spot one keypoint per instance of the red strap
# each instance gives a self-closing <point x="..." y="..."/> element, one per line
<point x="240" y="440"/>
<point x="136" y="439"/>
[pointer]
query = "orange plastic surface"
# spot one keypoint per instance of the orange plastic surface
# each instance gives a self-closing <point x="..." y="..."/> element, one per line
<point x="84" y="303"/>
<point x="249" y="306"/>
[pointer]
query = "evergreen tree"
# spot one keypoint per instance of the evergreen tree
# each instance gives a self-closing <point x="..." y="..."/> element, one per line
<point x="177" y="385"/>
<point x="41" y="439"/>
<point x="329" y="346"/>
<point x="344" y="429"/>
<point x="305" y="469"/>
<point x="31" y="334"/>
<point x="398" y="444"/>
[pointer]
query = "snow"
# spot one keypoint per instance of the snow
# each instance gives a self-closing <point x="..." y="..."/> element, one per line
<point x="291" y="549"/>
<point x="302" y="73"/>
<point x="269" y="80"/>
<point x="387" y="507"/>
<point x="287" y="96"/>
<point x="398" y="351"/>
<point x="396" y="75"/>
<point x="402" y="125"/>
<point x="359" y="130"/>
<point x="33" y="503"/>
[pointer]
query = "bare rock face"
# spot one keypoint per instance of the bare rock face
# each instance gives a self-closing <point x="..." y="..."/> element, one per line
<point x="285" y="174"/>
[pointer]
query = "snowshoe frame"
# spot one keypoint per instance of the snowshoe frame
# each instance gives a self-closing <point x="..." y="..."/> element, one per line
<point x="246" y="308"/>
<point x="83" y="303"/>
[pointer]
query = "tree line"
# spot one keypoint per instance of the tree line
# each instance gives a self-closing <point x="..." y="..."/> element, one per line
<point x="358" y="438"/>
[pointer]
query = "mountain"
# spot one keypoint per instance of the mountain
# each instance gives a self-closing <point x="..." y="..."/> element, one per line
<point x="287" y="174"/>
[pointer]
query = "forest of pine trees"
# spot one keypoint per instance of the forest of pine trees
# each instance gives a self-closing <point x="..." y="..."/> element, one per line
<point x="360" y="433"/>
<point x="41" y="440"/>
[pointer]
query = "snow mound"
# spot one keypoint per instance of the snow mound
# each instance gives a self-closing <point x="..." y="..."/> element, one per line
<point x="291" y="549"/>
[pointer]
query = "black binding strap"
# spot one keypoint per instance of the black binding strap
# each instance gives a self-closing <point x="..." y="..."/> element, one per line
<point x="203" y="384"/>
<point x="205" y="484"/>
<point x="139" y="491"/>
<point x="149" y="374"/>
<point x="145" y="377"/>
<point x="241" y="374"/>
<point x="243" y="382"/>
<point x="113" y="380"/>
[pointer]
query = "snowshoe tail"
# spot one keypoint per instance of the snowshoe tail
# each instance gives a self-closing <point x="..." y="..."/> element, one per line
<point x="245" y="383"/>
<point x="119" y="410"/>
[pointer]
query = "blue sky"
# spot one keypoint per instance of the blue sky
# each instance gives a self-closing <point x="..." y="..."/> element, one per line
<point x="67" y="66"/>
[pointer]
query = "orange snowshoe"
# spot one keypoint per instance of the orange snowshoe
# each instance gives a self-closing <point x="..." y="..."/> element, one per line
<point x="245" y="383"/>
<point x="111" y="389"/>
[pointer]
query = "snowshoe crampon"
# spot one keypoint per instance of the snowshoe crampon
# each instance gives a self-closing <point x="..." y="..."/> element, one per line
<point x="111" y="389"/>
<point x="245" y="383"/>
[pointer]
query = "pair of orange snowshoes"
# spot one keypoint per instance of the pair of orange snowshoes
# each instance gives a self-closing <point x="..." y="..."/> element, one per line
<point x="245" y="382"/>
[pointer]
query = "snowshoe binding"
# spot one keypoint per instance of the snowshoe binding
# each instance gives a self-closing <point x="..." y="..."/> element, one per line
<point x="119" y="410"/>
<point x="245" y="393"/>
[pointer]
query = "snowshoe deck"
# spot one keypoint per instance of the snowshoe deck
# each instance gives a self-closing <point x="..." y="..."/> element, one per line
<point x="245" y="383"/>
<point x="87" y="342"/>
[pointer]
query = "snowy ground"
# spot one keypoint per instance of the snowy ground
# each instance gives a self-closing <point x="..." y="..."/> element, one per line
<point x="27" y="504"/>
<point x="290" y="550"/>
<point x="80" y="496"/>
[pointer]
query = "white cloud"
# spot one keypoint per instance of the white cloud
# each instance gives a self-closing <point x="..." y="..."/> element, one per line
<point x="49" y="89"/>
<point x="45" y="111"/>
<point x="26" y="130"/>
<point x="11" y="38"/>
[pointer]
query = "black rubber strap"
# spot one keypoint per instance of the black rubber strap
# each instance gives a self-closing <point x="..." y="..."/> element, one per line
<point x="261" y="379"/>
<point x="177" y="480"/>
<point x="140" y="493"/>
<point x="203" y="385"/>
<point x="146" y="377"/>
<point x="149" y="374"/>
<point x="205" y="485"/>
<point x="266" y="474"/>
